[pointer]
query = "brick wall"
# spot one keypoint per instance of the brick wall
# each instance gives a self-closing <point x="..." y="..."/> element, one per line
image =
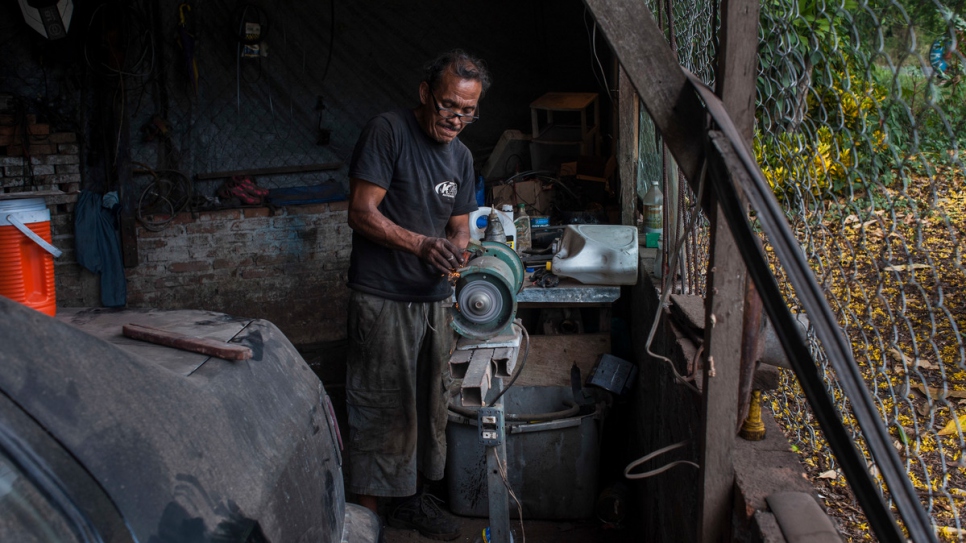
<point x="287" y="266"/>
<point x="34" y="159"/>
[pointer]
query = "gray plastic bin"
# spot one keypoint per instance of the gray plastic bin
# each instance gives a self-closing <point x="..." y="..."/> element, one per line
<point x="552" y="464"/>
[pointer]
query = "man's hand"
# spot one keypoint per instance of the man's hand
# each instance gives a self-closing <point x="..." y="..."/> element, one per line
<point x="441" y="253"/>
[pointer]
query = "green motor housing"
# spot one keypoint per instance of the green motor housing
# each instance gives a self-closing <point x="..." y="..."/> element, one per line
<point x="486" y="291"/>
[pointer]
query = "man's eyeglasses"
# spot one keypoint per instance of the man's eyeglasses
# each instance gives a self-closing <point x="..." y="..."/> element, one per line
<point x="447" y="113"/>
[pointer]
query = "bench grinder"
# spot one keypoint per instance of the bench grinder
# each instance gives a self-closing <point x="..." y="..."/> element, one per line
<point x="486" y="290"/>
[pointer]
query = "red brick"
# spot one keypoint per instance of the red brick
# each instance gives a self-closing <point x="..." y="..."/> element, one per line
<point x="180" y="218"/>
<point x="342" y="205"/>
<point x="34" y="150"/>
<point x="209" y="227"/>
<point x="204" y="279"/>
<point x="222" y="263"/>
<point x="38" y="129"/>
<point x="251" y="212"/>
<point x="270" y="260"/>
<point x="63" y="137"/>
<point x="152" y="244"/>
<point x="220" y="215"/>
<point x="308" y="209"/>
<point x="144" y="269"/>
<point x="182" y="267"/>
<point x="257" y="273"/>
<point x="168" y="282"/>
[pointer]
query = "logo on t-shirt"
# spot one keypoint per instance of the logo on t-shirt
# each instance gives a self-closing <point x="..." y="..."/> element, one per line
<point x="447" y="189"/>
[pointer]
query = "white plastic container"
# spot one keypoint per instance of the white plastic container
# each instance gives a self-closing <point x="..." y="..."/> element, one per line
<point x="478" y="222"/>
<point x="597" y="254"/>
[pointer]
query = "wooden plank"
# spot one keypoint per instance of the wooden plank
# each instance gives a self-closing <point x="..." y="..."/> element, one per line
<point x="550" y="358"/>
<point x="638" y="42"/>
<point x="722" y="357"/>
<point x="737" y="69"/>
<point x="305" y="168"/>
<point x="51" y="197"/>
<point x="628" y="105"/>
<point x="127" y="222"/>
<point x="187" y="343"/>
<point x="564" y="101"/>
<point x="727" y="332"/>
<point x="736" y="82"/>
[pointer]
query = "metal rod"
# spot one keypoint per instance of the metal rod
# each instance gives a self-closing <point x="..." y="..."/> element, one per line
<point x="496" y="468"/>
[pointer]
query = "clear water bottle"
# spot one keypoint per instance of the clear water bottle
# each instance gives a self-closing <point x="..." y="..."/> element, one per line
<point x="522" y="223"/>
<point x="653" y="202"/>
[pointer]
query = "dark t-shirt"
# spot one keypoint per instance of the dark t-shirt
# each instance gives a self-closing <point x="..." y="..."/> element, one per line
<point x="427" y="182"/>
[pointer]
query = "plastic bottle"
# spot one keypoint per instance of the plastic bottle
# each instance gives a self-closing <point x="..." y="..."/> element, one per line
<point x="653" y="202"/>
<point x="484" y="536"/>
<point x="507" y="210"/>
<point x="522" y="222"/>
<point x="597" y="254"/>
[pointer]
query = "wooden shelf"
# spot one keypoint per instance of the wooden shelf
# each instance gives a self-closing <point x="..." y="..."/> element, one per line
<point x="582" y="123"/>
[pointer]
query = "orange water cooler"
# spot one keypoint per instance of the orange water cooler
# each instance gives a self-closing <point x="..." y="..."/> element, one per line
<point x="27" y="255"/>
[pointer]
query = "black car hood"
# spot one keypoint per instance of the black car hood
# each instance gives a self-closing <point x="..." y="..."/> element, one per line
<point x="194" y="449"/>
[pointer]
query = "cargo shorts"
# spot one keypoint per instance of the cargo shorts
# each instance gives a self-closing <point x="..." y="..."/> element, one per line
<point x="398" y="386"/>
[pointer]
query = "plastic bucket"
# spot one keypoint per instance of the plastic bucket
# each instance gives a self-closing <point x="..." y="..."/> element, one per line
<point x="552" y="453"/>
<point x="26" y="254"/>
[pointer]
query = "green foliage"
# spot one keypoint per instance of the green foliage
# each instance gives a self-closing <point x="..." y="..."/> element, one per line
<point x="837" y="107"/>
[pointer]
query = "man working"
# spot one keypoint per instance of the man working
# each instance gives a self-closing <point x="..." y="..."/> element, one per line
<point x="411" y="191"/>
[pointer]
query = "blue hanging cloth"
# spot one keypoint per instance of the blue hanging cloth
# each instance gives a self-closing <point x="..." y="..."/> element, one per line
<point x="98" y="245"/>
<point x="938" y="54"/>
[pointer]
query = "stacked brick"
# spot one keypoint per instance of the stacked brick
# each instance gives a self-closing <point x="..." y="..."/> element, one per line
<point x="34" y="159"/>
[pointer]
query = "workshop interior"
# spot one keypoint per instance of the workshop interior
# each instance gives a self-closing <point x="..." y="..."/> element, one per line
<point x="194" y="156"/>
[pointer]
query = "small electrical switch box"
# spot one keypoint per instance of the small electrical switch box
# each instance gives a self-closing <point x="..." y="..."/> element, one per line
<point x="490" y="421"/>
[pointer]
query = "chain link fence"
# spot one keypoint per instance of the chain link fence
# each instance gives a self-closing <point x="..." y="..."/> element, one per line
<point x="860" y="124"/>
<point x="217" y="89"/>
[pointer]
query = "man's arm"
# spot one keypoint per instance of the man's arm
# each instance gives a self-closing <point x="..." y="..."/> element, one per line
<point x="458" y="231"/>
<point x="365" y="218"/>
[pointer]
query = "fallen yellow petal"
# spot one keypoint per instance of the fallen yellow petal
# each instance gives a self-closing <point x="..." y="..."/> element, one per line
<point x="950" y="428"/>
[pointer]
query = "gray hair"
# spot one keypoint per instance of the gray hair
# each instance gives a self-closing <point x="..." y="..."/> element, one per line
<point x="462" y="65"/>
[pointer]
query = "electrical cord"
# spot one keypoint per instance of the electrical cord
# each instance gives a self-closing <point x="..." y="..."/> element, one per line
<point x="662" y="469"/>
<point x="144" y="41"/>
<point x="502" y="469"/>
<point x="592" y="34"/>
<point x="667" y="291"/>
